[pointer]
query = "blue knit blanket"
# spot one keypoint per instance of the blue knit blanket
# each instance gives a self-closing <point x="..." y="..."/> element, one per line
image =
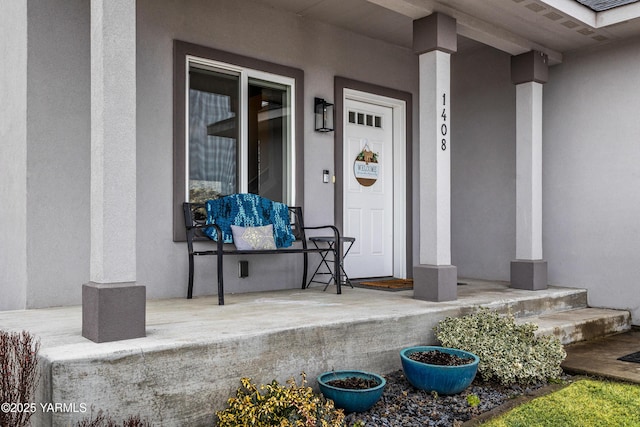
<point x="249" y="210"/>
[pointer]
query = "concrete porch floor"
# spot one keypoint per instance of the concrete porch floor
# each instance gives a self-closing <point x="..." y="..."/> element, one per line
<point x="195" y="351"/>
<point x="179" y="320"/>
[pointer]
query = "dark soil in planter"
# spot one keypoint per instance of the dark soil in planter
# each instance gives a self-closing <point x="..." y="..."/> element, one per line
<point x="436" y="357"/>
<point x="354" y="383"/>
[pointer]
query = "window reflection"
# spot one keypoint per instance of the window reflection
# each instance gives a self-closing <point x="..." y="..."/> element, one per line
<point x="268" y="124"/>
<point x="213" y="134"/>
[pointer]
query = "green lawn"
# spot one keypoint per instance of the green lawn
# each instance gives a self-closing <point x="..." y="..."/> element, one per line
<point x="586" y="402"/>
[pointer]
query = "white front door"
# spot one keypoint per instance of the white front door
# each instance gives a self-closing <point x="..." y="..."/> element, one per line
<point x="368" y="188"/>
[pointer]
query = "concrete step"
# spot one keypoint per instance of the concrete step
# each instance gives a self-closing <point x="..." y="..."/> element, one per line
<point x="581" y="324"/>
<point x="541" y="303"/>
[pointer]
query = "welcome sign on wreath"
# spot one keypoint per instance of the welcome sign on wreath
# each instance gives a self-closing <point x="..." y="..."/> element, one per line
<point x="366" y="167"/>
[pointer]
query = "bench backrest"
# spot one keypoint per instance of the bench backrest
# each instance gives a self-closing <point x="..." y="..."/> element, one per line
<point x="195" y="218"/>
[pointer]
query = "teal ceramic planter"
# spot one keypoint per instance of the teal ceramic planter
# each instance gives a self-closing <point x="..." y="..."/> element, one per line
<point x="347" y="399"/>
<point x="441" y="379"/>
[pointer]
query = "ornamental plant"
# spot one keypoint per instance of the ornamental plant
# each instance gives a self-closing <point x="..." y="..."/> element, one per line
<point x="104" y="420"/>
<point x="509" y="353"/>
<point x="292" y="405"/>
<point x="18" y="377"/>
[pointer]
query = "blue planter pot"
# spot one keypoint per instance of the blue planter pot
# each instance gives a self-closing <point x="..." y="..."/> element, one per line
<point x="347" y="399"/>
<point x="441" y="379"/>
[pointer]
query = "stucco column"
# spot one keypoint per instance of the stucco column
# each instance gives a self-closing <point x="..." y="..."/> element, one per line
<point x="113" y="303"/>
<point x="529" y="72"/>
<point x="434" y="39"/>
<point x="14" y="212"/>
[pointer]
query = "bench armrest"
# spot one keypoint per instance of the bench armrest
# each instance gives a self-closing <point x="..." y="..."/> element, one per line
<point x="191" y="230"/>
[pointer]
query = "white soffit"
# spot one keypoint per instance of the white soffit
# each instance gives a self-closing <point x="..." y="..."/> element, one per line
<point x="574" y="10"/>
<point x="517" y="26"/>
<point x="618" y="15"/>
<point x="596" y="19"/>
<point x="471" y="25"/>
<point x="512" y="26"/>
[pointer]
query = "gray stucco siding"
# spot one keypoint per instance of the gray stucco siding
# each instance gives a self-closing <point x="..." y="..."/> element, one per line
<point x="249" y="29"/>
<point x="591" y="181"/>
<point x="13" y="155"/>
<point x="58" y="152"/>
<point x="483" y="204"/>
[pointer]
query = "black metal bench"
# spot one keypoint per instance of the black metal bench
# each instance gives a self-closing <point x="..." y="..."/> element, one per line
<point x="195" y="223"/>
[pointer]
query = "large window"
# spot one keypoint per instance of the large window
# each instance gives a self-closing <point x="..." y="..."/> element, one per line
<point x="238" y="131"/>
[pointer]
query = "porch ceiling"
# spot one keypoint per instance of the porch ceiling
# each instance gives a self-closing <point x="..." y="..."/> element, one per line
<point x="513" y="26"/>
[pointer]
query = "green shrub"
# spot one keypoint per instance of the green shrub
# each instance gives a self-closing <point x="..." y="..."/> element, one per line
<point x="279" y="405"/>
<point x="509" y="353"/>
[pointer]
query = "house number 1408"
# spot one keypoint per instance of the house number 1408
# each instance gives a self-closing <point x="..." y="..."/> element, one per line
<point x="443" y="127"/>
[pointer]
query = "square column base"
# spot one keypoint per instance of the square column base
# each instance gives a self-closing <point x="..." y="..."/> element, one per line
<point x="435" y="282"/>
<point x="113" y="311"/>
<point x="530" y="275"/>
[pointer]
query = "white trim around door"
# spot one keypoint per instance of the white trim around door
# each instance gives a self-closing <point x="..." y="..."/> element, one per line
<point x="399" y="118"/>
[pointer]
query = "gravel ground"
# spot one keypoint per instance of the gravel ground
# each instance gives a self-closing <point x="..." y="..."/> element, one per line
<point x="402" y="405"/>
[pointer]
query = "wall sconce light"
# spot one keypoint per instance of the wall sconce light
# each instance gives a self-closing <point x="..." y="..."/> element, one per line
<point x="324" y="115"/>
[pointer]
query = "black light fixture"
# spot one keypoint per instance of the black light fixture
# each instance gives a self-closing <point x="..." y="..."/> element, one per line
<point x="324" y="115"/>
